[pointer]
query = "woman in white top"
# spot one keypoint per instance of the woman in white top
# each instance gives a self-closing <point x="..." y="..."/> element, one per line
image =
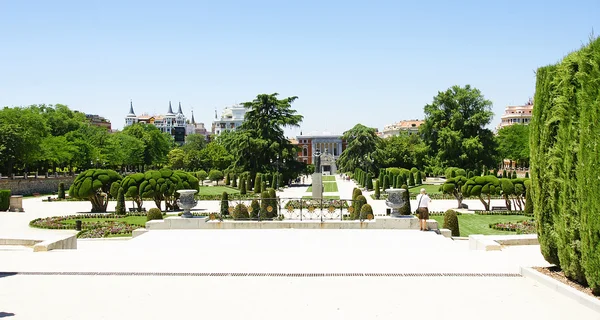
<point x="423" y="209"/>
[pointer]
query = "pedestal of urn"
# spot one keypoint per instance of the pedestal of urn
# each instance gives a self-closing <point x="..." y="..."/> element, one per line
<point x="395" y="201"/>
<point x="186" y="201"/>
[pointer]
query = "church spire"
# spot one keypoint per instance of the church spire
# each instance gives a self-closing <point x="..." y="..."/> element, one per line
<point x="131" y="113"/>
<point x="179" y="111"/>
<point x="170" y="109"/>
<point x="193" y="121"/>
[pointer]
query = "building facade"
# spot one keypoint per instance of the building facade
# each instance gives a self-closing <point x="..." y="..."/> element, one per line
<point x="231" y="119"/>
<point x="175" y="124"/>
<point x="516" y="114"/>
<point x="403" y="127"/>
<point x="330" y="145"/>
<point x="98" y="121"/>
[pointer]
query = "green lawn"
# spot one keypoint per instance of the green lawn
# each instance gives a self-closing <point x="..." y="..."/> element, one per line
<point x="324" y="197"/>
<point x="216" y="190"/>
<point x="327" y="187"/>
<point x="429" y="188"/>
<point x="479" y="224"/>
<point x="328" y="178"/>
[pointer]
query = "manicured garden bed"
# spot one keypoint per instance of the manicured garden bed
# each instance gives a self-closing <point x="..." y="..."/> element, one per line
<point x="95" y="225"/>
<point x="480" y="224"/>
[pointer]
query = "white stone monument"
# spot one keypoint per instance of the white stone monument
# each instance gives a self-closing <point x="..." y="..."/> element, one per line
<point x="317" y="177"/>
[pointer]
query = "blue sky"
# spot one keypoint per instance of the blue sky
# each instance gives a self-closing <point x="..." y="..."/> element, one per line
<point x="373" y="62"/>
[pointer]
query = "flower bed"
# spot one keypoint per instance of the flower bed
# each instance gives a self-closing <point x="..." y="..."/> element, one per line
<point x="502" y="213"/>
<point x="91" y="229"/>
<point x="296" y="204"/>
<point x="521" y="227"/>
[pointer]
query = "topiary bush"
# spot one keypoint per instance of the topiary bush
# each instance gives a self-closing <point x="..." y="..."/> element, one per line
<point x="240" y="212"/>
<point x="528" y="201"/>
<point x="419" y="178"/>
<point x="234" y="180"/>
<point x="451" y="222"/>
<point x="411" y="179"/>
<point x="61" y="190"/>
<point x="248" y="181"/>
<point x="258" y="183"/>
<point x="355" y="193"/>
<point x="255" y="209"/>
<point x="405" y="209"/>
<point x="358" y="204"/>
<point x="94" y="185"/>
<point x="386" y="183"/>
<point x="227" y="181"/>
<point x="224" y="204"/>
<point x="273" y="201"/>
<point x="242" y="185"/>
<point x="4" y="200"/>
<point x="365" y="211"/>
<point x="120" y="208"/>
<point x="369" y="181"/>
<point x="154" y="214"/>
<point x="264" y="205"/>
<point x="377" y="191"/>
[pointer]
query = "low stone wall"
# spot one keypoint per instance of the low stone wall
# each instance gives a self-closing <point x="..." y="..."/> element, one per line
<point x="170" y="223"/>
<point x="30" y="186"/>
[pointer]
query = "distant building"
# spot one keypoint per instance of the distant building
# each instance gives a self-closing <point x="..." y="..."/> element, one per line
<point x="172" y="123"/>
<point x="197" y="128"/>
<point x="330" y="145"/>
<point x="231" y="119"/>
<point x="516" y="114"/>
<point x="403" y="127"/>
<point x="98" y="121"/>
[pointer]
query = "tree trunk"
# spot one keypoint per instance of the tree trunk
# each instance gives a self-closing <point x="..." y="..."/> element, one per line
<point x="507" y="201"/>
<point x="459" y="198"/>
<point x="158" y="202"/>
<point x="485" y="204"/>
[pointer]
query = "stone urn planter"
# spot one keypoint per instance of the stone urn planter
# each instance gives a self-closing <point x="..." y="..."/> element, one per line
<point x="186" y="201"/>
<point x="395" y="201"/>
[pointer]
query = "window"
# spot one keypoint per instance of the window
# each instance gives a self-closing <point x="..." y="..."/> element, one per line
<point x="335" y="152"/>
<point x="305" y="152"/>
<point x="305" y="161"/>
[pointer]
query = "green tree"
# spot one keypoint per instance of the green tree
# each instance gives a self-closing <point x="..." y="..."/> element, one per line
<point x="120" y="207"/>
<point x="194" y="142"/>
<point x="361" y="144"/>
<point x="454" y="129"/>
<point x="215" y="156"/>
<point x="156" y="143"/>
<point x="201" y="175"/>
<point x="94" y="185"/>
<point x="258" y="183"/>
<point x="454" y="186"/>
<point x="377" y="191"/>
<point x="176" y="159"/>
<point x="402" y="151"/>
<point x="215" y="175"/>
<point x="123" y="150"/>
<point x="513" y="143"/>
<point x="242" y="185"/>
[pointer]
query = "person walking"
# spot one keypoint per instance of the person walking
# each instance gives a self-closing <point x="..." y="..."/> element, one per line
<point x="423" y="209"/>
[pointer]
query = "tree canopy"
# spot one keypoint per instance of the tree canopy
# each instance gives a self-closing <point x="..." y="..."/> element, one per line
<point x="513" y="143"/>
<point x="454" y="129"/>
<point x="361" y="145"/>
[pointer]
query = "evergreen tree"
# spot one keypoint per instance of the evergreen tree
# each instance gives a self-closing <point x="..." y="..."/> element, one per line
<point x="411" y="179"/>
<point x="377" y="191"/>
<point x="274" y="183"/>
<point x="242" y="185"/>
<point x="369" y="181"/>
<point x="224" y="204"/>
<point x="419" y="178"/>
<point x="121" y="209"/>
<point x="514" y="174"/>
<point x="248" y="182"/>
<point x="258" y="183"/>
<point x="386" y="182"/>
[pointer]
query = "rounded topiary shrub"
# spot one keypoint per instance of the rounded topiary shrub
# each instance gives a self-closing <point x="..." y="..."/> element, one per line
<point x="154" y="214"/>
<point x="120" y="208"/>
<point x="451" y="222"/>
<point x="358" y="204"/>
<point x="240" y="212"/>
<point x="254" y="208"/>
<point x="355" y="193"/>
<point x="366" y="212"/>
<point x="4" y="199"/>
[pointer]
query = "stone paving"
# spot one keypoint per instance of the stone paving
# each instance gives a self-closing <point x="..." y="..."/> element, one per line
<point x="270" y="251"/>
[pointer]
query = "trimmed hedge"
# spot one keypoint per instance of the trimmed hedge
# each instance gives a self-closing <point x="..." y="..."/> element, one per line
<point x="154" y="214"/>
<point x="4" y="200"/>
<point x="565" y="189"/>
<point x="451" y="222"/>
<point x="61" y="190"/>
<point x="365" y="211"/>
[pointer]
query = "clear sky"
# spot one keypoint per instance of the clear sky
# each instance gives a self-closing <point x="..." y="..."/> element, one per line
<point x="373" y="62"/>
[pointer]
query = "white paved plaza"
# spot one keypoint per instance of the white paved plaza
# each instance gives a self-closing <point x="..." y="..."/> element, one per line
<point x="499" y="294"/>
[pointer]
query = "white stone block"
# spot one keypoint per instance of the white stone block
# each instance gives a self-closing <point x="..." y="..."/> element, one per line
<point x="446" y="233"/>
<point x="138" y="232"/>
<point x="158" y="224"/>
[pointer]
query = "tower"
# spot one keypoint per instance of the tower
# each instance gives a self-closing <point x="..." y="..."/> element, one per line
<point x="131" y="118"/>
